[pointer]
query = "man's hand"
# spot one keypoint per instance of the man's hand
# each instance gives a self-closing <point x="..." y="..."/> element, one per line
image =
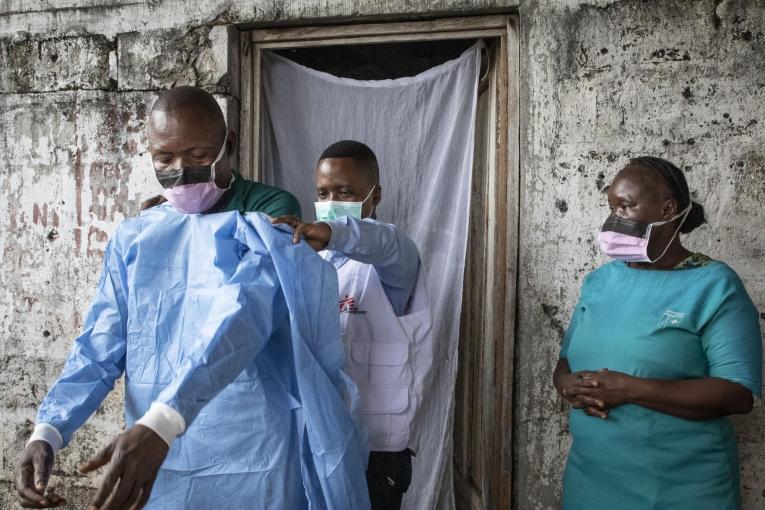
<point x="32" y="474"/>
<point x="134" y="459"/>
<point x="155" y="200"/>
<point x="317" y="235"/>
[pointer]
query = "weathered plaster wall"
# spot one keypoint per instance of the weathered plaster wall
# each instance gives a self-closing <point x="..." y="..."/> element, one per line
<point x="111" y="17"/>
<point x="601" y="80"/>
<point x="72" y="149"/>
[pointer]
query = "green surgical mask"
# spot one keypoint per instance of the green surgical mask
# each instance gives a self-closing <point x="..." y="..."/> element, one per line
<point x="334" y="209"/>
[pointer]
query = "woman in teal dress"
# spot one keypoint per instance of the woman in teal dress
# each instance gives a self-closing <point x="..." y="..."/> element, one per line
<point x="663" y="346"/>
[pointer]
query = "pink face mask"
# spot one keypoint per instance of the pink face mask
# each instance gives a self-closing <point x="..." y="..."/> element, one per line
<point x="194" y="198"/>
<point x="627" y="240"/>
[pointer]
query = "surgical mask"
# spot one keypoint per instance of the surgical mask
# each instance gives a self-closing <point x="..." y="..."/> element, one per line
<point x="186" y="175"/>
<point x="627" y="240"/>
<point x="192" y="189"/>
<point x="195" y="198"/>
<point x="333" y="209"/>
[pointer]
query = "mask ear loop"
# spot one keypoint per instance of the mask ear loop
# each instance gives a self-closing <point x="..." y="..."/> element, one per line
<point x="369" y="195"/>
<point x="218" y="160"/>
<point x="685" y="215"/>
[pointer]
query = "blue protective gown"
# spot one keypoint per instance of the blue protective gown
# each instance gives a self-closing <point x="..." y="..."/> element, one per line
<point x="226" y="321"/>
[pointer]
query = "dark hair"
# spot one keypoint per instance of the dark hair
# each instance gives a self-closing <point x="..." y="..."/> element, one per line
<point x="675" y="180"/>
<point x="357" y="151"/>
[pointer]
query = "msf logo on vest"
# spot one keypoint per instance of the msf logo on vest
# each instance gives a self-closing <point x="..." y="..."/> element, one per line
<point x="348" y="305"/>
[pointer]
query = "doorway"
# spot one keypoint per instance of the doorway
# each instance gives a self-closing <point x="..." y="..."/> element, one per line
<point x="482" y="418"/>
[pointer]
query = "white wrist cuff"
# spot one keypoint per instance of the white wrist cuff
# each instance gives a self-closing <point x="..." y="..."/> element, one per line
<point x="164" y="420"/>
<point x="49" y="434"/>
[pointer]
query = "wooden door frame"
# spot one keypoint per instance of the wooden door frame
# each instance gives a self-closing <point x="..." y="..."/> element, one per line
<point x="502" y="203"/>
<point x="498" y="251"/>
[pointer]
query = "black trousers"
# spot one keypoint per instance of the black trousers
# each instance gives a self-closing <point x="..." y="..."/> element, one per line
<point x="388" y="477"/>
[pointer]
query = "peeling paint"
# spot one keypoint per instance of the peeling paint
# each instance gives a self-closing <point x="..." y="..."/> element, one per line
<point x="40" y="64"/>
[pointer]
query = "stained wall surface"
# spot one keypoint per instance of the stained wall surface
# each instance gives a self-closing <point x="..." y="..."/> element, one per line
<point x="601" y="81"/>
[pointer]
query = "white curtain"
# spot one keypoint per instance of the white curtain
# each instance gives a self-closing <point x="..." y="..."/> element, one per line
<point x="421" y="128"/>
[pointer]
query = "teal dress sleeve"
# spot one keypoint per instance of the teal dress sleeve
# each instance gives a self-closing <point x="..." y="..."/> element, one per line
<point x="571" y="329"/>
<point x="732" y="343"/>
<point x="576" y="315"/>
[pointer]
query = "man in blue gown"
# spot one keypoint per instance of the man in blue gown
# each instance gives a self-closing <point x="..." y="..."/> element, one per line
<point x="228" y="337"/>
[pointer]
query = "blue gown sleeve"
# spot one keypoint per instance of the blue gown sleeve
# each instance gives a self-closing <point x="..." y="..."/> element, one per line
<point x="732" y="342"/>
<point x="392" y="253"/>
<point x="97" y="358"/>
<point x="236" y="329"/>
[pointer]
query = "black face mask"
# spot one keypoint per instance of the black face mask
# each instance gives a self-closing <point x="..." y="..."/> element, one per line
<point x="626" y="226"/>
<point x="189" y="174"/>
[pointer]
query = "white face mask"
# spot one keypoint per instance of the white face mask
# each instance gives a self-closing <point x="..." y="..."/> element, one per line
<point x="333" y="209"/>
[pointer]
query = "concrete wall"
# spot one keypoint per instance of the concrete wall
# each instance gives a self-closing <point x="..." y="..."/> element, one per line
<point x="601" y="80"/>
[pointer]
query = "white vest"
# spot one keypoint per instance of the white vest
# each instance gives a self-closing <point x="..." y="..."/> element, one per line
<point x="388" y="357"/>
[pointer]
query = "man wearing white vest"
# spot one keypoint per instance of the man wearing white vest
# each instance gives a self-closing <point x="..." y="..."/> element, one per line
<point x="385" y="312"/>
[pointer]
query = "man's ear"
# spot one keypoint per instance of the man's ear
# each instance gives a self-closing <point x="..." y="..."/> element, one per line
<point x="231" y="142"/>
<point x="377" y="195"/>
